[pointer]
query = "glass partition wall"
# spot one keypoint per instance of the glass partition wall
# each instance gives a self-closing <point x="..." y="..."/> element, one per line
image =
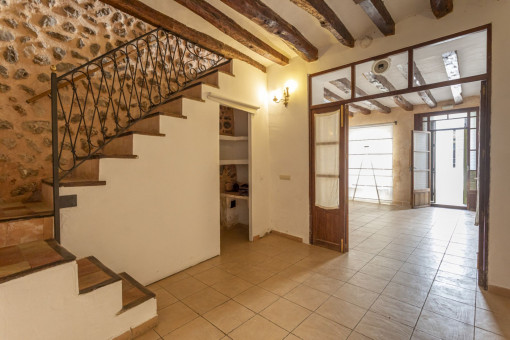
<point x="418" y="68"/>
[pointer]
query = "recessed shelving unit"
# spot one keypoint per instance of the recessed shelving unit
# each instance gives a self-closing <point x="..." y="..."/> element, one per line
<point x="234" y="138"/>
<point x="234" y="167"/>
<point x="234" y="162"/>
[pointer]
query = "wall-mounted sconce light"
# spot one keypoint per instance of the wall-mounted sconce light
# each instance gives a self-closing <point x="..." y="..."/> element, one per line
<point x="289" y="87"/>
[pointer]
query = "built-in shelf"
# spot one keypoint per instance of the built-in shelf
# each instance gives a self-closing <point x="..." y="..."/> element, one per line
<point x="233" y="138"/>
<point x="233" y="162"/>
<point x="234" y="195"/>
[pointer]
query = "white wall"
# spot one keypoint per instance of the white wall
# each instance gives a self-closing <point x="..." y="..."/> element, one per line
<point x="289" y="134"/>
<point x="46" y="306"/>
<point x="159" y="214"/>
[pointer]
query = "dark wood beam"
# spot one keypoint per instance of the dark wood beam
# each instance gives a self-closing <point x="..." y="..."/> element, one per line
<point x="333" y="97"/>
<point x="328" y="19"/>
<point x="440" y="8"/>
<point x="149" y="15"/>
<point x="451" y="64"/>
<point x="418" y="80"/>
<point x="262" y="15"/>
<point x="384" y="85"/>
<point x="377" y="12"/>
<point x="344" y="85"/>
<point x="234" y="30"/>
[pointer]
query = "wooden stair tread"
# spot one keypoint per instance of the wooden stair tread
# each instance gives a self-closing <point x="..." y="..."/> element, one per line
<point x="92" y="274"/>
<point x="101" y="156"/>
<point x="23" y="259"/>
<point x="129" y="133"/>
<point x="133" y="293"/>
<point x="19" y="210"/>
<point x="75" y="182"/>
<point x="156" y="113"/>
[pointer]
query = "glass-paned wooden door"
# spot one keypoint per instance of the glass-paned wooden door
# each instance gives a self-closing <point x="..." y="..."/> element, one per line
<point x="328" y="169"/>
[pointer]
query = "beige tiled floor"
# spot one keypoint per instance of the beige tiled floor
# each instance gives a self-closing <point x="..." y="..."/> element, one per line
<point x="410" y="274"/>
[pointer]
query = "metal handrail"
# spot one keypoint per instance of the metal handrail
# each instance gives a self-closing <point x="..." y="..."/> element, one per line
<point x="99" y="100"/>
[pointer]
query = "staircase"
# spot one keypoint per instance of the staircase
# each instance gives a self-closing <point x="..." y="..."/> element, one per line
<point x="46" y="294"/>
<point x="40" y="280"/>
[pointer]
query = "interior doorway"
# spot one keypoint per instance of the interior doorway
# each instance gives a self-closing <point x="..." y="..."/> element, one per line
<point x="455" y="144"/>
<point x="234" y="173"/>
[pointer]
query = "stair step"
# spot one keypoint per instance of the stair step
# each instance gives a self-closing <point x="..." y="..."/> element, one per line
<point x="75" y="182"/>
<point x="133" y="293"/>
<point x="19" y="211"/>
<point x="102" y="156"/>
<point x="23" y="259"/>
<point x="92" y="274"/>
<point x="130" y="133"/>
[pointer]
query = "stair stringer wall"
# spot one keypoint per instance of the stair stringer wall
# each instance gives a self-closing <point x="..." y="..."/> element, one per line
<point x="46" y="305"/>
<point x="157" y="214"/>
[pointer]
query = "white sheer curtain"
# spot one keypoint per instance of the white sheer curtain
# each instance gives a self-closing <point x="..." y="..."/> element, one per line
<point x="327" y="138"/>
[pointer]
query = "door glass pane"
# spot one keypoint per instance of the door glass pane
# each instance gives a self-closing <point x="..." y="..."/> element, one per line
<point x="327" y="163"/>
<point x="421" y="141"/>
<point x="421" y="180"/>
<point x="421" y="160"/>
<point x="327" y="192"/>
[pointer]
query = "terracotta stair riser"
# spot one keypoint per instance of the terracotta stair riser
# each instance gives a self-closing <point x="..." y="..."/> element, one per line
<point x="173" y="107"/>
<point x="24" y="231"/>
<point x="149" y="125"/>
<point x="89" y="170"/>
<point x="120" y="146"/>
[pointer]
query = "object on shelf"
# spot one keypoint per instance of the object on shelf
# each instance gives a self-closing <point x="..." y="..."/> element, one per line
<point x="226" y="120"/>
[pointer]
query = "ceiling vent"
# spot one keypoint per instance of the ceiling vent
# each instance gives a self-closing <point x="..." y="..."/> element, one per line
<point x="381" y="66"/>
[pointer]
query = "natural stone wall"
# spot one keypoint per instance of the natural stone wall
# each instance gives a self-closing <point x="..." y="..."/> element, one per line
<point x="34" y="35"/>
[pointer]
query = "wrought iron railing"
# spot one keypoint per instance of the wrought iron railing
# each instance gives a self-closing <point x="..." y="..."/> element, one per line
<point x="99" y="100"/>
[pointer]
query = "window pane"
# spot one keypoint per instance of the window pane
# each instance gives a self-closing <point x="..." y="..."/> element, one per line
<point x="371" y="78"/>
<point x="371" y="162"/>
<point x="457" y="115"/>
<point x="451" y="124"/>
<point x="472" y="139"/>
<point x="331" y="87"/>
<point x="458" y="52"/>
<point x="421" y="160"/>
<point x="472" y="160"/>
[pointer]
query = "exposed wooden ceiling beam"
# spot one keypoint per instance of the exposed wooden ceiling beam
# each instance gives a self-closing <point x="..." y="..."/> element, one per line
<point x="328" y="19"/>
<point x="344" y="85"/>
<point x="384" y="85"/>
<point x="440" y="8"/>
<point x="377" y="12"/>
<point x="333" y="97"/>
<point x="145" y="13"/>
<point x="262" y="15"/>
<point x="234" y="30"/>
<point x="418" y="80"/>
<point x="451" y="64"/>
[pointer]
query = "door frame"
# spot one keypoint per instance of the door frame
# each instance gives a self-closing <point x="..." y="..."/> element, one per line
<point x="484" y="131"/>
<point x="343" y="169"/>
<point x="418" y="120"/>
